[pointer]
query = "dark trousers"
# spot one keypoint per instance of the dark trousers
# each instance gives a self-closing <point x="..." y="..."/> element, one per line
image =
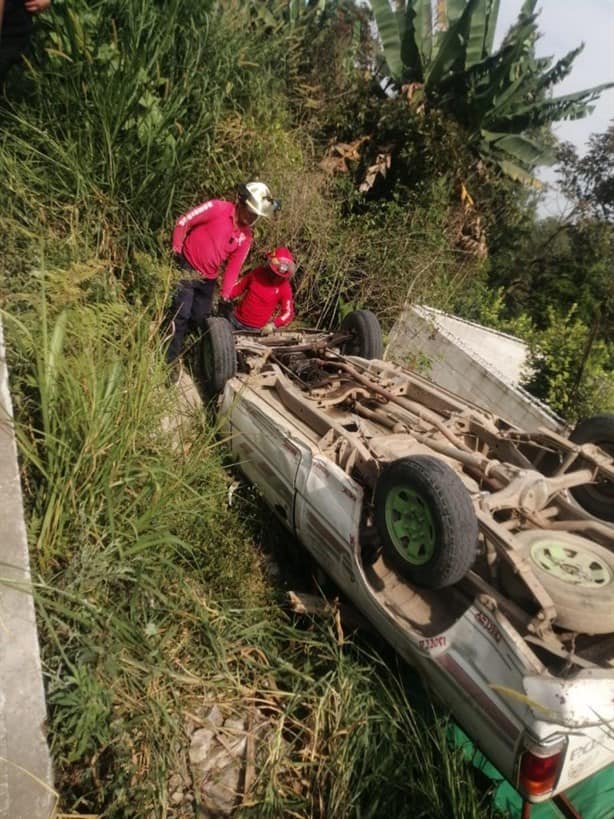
<point x="15" y="35"/>
<point x="190" y="309"/>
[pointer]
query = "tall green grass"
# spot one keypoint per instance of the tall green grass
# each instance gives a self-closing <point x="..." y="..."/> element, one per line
<point x="151" y="598"/>
<point x="106" y="471"/>
<point x="131" y="537"/>
<point x="131" y="112"/>
<point x="153" y="606"/>
<point x="121" y="119"/>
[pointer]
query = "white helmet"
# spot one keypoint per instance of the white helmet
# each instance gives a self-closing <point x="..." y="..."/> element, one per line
<point x="257" y="197"/>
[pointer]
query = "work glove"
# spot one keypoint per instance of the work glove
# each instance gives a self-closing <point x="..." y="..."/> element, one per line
<point x="267" y="329"/>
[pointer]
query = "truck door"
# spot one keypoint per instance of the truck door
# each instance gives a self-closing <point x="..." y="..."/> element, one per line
<point x="328" y="510"/>
<point x="266" y="453"/>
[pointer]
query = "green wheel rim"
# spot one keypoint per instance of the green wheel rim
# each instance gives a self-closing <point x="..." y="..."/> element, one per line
<point x="410" y="525"/>
<point x="571" y="564"/>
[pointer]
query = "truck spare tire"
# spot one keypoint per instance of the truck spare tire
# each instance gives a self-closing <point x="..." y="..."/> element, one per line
<point x="577" y="574"/>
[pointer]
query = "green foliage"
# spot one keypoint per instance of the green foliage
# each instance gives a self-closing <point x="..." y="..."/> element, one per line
<point x="564" y="261"/>
<point x="376" y="255"/>
<point x="345" y="723"/>
<point x="88" y="728"/>
<point x="118" y="116"/>
<point x="150" y="591"/>
<point x="589" y="181"/>
<point x="98" y="489"/>
<point x="570" y="373"/>
<point x="151" y="599"/>
<point x="126" y="523"/>
<point x="500" y="97"/>
<point x="488" y="306"/>
<point x="555" y="279"/>
<point x="330" y="45"/>
<point x="567" y="367"/>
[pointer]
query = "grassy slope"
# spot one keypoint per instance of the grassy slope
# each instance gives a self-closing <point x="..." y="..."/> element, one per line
<point x="151" y="598"/>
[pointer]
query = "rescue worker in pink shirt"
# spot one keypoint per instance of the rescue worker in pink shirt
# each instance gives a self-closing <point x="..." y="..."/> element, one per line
<point x="267" y="302"/>
<point x="211" y="235"/>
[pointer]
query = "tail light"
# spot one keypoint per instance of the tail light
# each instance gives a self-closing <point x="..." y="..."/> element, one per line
<point x="539" y="768"/>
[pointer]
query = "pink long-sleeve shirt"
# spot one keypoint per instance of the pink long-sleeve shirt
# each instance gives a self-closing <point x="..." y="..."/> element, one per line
<point x="265" y="296"/>
<point x="208" y="236"/>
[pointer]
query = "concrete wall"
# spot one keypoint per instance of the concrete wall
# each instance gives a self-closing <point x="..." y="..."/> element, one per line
<point x="25" y="768"/>
<point x="479" y="364"/>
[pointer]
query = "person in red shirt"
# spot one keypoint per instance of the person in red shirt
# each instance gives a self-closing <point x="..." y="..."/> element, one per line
<point x="267" y="301"/>
<point x="211" y="235"/>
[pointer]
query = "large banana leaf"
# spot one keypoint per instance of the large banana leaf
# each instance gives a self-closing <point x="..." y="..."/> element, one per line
<point x="526" y="151"/>
<point x="422" y="30"/>
<point x="501" y="98"/>
<point x="491" y="24"/>
<point x="411" y="54"/>
<point x="528" y="8"/>
<point x="482" y="32"/>
<point x="544" y="112"/>
<point x="486" y="82"/>
<point x="388" y="28"/>
<point x="478" y="26"/>
<point x="516" y="172"/>
<point x="400" y="12"/>
<point x="560" y="69"/>
<point x="527" y="16"/>
<point x="505" y="78"/>
<point x="454" y="9"/>
<point x="451" y="52"/>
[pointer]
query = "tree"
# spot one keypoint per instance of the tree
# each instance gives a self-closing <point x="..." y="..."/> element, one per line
<point x="501" y="98"/>
<point x="588" y="182"/>
<point x="559" y="273"/>
<point x="568" y="368"/>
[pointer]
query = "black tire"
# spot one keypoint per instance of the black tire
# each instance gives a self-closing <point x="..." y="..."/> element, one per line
<point x="596" y="499"/>
<point x="366" y="340"/>
<point x="577" y="574"/>
<point x="218" y="355"/>
<point x="423" y="495"/>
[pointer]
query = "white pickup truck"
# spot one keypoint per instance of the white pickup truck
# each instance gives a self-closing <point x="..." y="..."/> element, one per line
<point x="482" y="553"/>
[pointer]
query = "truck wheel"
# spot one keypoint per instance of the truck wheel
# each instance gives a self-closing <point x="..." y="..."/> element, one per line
<point x="597" y="499"/>
<point x="366" y="340"/>
<point x="425" y="518"/>
<point x="218" y="355"/>
<point x="577" y="574"/>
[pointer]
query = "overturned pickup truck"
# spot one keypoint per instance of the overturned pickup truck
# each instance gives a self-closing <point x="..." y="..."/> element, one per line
<point x="483" y="554"/>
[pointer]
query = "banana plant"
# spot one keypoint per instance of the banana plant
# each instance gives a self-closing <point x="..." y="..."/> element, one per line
<point x="502" y="97"/>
